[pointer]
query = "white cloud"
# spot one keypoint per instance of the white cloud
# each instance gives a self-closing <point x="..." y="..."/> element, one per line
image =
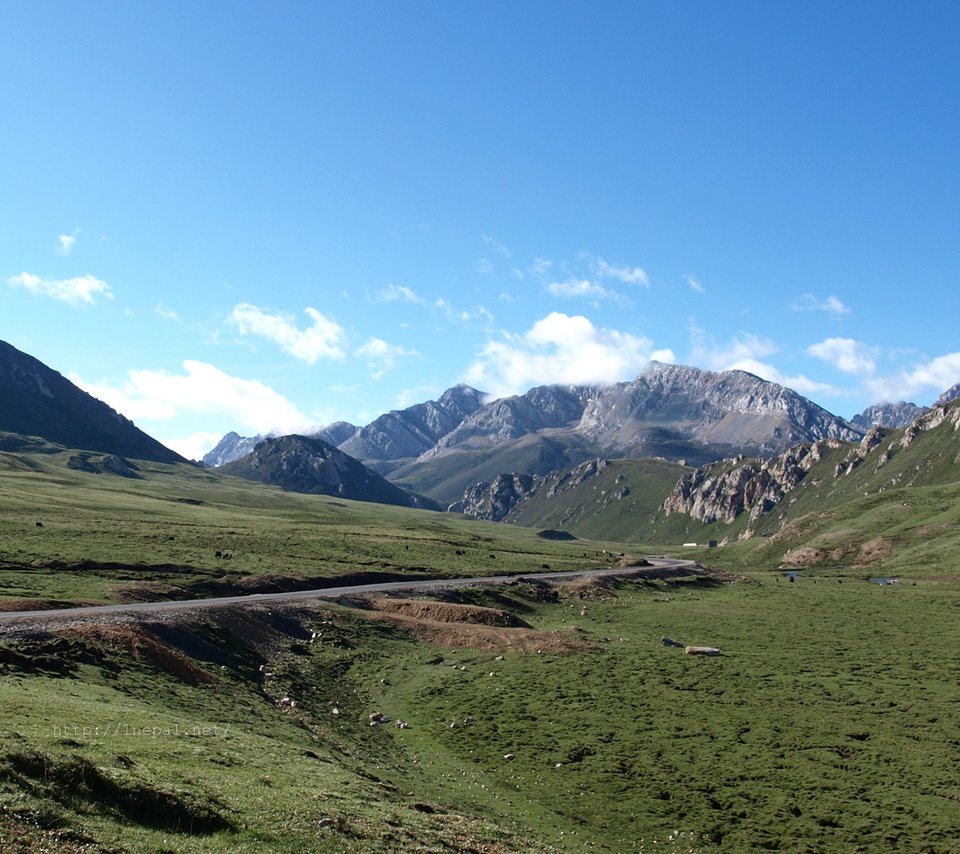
<point x="934" y="376"/>
<point x="627" y="275"/>
<point x="321" y="340"/>
<point x="195" y="446"/>
<point x="695" y="285"/>
<point x="393" y="293"/>
<point x="485" y="267"/>
<point x="747" y="352"/>
<point x="560" y="349"/>
<point x="248" y="405"/>
<point x="80" y="290"/>
<point x="799" y="383"/>
<point x="846" y="354"/>
<point x="65" y="242"/>
<point x="746" y="348"/>
<point x="381" y="356"/>
<point x="831" y="305"/>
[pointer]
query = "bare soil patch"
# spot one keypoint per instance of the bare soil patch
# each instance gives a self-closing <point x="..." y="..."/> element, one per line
<point x="131" y="639"/>
<point x="875" y="550"/>
<point x="474" y="627"/>
<point x="448" y="612"/>
<point x="804" y="556"/>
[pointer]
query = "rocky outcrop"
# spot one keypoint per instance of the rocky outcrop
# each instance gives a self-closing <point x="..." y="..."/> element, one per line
<point x="721" y="493"/>
<point x="892" y="415"/>
<point x="497" y="499"/>
<point x="493" y="501"/>
<point x="950" y="395"/>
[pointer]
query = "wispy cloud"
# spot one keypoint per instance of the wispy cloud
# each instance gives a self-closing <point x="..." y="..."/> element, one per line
<point x="462" y="315"/>
<point x="166" y="313"/>
<point x="65" y="242"/>
<point x="933" y="376"/>
<point x="627" y="275"/>
<point x="847" y="355"/>
<point x="540" y="268"/>
<point x="381" y="356"/>
<point x="573" y="288"/>
<point x="247" y="404"/>
<point x="695" y="285"/>
<point x="80" y="290"/>
<point x="398" y="293"/>
<point x="497" y="246"/>
<point x="323" y="339"/>
<point x="563" y="349"/>
<point x="831" y="305"/>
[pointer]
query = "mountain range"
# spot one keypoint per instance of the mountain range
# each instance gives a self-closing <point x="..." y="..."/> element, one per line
<point x="443" y="448"/>
<point x="710" y="446"/>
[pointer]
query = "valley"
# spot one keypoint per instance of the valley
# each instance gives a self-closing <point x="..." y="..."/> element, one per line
<point x="449" y="688"/>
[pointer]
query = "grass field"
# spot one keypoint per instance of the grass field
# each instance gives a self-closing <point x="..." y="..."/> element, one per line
<point x="179" y="531"/>
<point x="828" y="724"/>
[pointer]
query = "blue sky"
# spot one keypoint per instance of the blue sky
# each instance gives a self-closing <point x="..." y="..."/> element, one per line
<point x="254" y="217"/>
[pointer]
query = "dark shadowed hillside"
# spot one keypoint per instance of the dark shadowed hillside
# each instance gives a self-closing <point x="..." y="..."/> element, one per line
<point x="37" y="401"/>
<point x="304" y="464"/>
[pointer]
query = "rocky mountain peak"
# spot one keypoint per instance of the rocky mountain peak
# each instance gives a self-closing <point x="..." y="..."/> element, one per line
<point x="732" y="409"/>
<point x="892" y="415"/>
<point x="949" y="395"/>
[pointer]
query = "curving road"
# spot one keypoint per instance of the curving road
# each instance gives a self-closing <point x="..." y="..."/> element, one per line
<point x="91" y="613"/>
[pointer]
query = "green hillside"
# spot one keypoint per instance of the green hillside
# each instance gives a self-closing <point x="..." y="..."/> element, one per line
<point x="894" y="507"/>
<point x="68" y="533"/>
<point x="617" y="504"/>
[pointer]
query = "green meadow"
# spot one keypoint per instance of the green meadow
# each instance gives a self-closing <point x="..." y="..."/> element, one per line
<point x="828" y="724"/>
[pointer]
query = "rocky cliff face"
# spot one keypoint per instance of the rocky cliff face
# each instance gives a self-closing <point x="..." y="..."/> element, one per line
<point x="37" y="401"/>
<point x="892" y="415"/>
<point x="496" y="500"/>
<point x="493" y="501"/>
<point x="753" y="487"/>
<point x="306" y="464"/>
<point x="724" y="491"/>
<point x="949" y="395"/>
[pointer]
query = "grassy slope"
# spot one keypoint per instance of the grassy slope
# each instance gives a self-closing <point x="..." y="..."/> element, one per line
<point x="101" y="532"/>
<point x="617" y="504"/>
<point x="828" y="725"/>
